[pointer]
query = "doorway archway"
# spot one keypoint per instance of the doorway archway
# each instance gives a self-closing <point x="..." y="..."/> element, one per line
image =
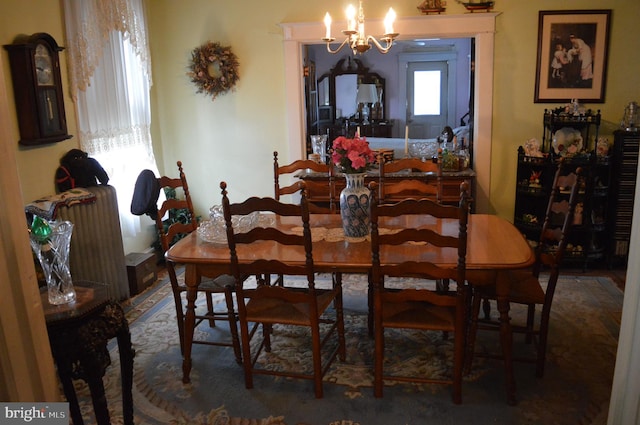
<point x="481" y="27"/>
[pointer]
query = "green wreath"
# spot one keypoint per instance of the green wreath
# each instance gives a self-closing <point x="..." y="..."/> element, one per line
<point x="214" y="69"/>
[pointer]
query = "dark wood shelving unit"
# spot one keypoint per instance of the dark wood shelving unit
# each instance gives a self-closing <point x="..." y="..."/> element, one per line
<point x="588" y="241"/>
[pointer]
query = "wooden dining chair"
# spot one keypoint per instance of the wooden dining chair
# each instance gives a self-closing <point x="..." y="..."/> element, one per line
<point x="322" y="189"/>
<point x="526" y="286"/>
<point x="409" y="186"/>
<point x="169" y="231"/>
<point x="413" y="306"/>
<point x="282" y="304"/>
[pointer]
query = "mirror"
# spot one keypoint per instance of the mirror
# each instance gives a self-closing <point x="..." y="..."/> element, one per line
<point x="346" y="87"/>
<point x="323" y="91"/>
<point x="342" y="110"/>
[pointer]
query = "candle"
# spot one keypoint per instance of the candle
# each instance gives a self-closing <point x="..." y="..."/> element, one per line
<point x="358" y="131"/>
<point x="351" y="18"/>
<point x="327" y="23"/>
<point x="406" y="140"/>
<point x="388" y="21"/>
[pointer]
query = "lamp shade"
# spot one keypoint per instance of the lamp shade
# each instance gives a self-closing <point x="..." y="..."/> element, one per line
<point x="367" y="93"/>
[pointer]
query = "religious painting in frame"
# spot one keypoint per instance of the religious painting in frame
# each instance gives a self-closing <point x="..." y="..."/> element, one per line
<point x="572" y="55"/>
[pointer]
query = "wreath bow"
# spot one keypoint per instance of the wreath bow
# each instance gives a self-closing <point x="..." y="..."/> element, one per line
<point x="214" y="69"/>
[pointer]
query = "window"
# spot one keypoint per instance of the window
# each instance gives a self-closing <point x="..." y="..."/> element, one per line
<point x="426" y="82"/>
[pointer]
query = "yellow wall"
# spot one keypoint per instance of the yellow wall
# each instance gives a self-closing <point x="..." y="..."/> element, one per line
<point x="233" y="137"/>
<point x="516" y="117"/>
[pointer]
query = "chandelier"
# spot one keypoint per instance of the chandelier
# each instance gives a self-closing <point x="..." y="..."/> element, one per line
<point x="355" y="35"/>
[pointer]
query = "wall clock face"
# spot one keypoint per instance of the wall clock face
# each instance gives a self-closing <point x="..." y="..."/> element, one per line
<point x="44" y="69"/>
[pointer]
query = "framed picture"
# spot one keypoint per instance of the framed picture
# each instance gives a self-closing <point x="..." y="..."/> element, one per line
<point x="572" y="55"/>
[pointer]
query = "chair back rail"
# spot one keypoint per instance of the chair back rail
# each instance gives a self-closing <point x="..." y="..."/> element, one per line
<point x="324" y="190"/>
<point x="525" y="286"/>
<point x="274" y="302"/>
<point x="218" y="285"/>
<point x="550" y="237"/>
<point x="176" y="228"/>
<point x="389" y="191"/>
<point x="415" y="307"/>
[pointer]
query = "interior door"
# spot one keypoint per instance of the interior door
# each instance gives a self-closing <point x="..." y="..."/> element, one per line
<point x="427" y="98"/>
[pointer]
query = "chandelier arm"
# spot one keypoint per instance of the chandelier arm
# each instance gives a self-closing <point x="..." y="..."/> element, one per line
<point x="346" y="40"/>
<point x="382" y="49"/>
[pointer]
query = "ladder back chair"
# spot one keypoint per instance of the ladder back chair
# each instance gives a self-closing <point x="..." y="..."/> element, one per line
<point x="222" y="285"/>
<point x="409" y="186"/>
<point x="280" y="304"/>
<point x="413" y="306"/>
<point x="526" y="286"/>
<point x="322" y="189"/>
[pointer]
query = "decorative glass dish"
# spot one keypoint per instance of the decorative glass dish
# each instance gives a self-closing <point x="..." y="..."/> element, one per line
<point x="214" y="230"/>
<point x="423" y="150"/>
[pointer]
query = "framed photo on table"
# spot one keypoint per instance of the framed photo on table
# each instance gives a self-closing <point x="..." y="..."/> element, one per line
<point x="572" y="55"/>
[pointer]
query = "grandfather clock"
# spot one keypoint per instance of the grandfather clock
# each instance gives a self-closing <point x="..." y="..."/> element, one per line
<point x="35" y="71"/>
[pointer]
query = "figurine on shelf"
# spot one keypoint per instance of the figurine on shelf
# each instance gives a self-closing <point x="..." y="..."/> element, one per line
<point x="577" y="214"/>
<point x="534" y="179"/>
<point x="575" y="106"/>
<point x="602" y="147"/>
<point x="532" y="148"/>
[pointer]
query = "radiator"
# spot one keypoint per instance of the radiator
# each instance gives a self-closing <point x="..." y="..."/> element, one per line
<point x="96" y="251"/>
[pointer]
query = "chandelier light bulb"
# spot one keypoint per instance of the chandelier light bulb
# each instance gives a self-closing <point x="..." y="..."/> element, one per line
<point x="388" y="21"/>
<point x="351" y="18"/>
<point x="355" y="36"/>
<point x="327" y="23"/>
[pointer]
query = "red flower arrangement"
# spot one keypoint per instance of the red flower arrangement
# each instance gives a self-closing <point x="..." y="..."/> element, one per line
<point x="352" y="155"/>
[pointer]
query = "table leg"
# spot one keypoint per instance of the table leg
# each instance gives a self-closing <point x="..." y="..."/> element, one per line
<point x="64" y="372"/>
<point x="126" y="371"/>
<point x="506" y="335"/>
<point x="93" y="375"/>
<point x="191" y="280"/>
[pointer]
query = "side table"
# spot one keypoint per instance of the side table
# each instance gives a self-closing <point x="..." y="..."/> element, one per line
<point x="79" y="333"/>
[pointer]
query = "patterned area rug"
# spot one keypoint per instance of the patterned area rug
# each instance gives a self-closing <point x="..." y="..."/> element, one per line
<point x="575" y="390"/>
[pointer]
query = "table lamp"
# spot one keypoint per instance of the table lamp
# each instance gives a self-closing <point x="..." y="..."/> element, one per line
<point x="367" y="94"/>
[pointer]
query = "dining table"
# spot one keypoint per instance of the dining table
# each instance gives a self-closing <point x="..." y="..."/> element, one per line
<point x="493" y="244"/>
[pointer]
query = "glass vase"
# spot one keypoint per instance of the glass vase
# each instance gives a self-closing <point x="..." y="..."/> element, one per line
<point x="355" y="208"/>
<point x="52" y="250"/>
<point x="319" y="146"/>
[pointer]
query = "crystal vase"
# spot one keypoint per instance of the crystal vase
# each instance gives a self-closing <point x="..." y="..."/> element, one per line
<point x="355" y="208"/>
<point x="319" y="146"/>
<point x="51" y="246"/>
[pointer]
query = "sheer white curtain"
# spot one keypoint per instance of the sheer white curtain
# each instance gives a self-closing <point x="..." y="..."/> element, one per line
<point x="110" y="75"/>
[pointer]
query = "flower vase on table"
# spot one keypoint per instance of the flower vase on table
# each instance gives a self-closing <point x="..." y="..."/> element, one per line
<point x="50" y="242"/>
<point x="354" y="157"/>
<point x="355" y="208"/>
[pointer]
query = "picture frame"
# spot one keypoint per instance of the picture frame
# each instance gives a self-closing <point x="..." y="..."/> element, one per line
<point x="573" y="46"/>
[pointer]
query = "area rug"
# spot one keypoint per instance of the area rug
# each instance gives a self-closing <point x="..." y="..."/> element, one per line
<point x="575" y="389"/>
